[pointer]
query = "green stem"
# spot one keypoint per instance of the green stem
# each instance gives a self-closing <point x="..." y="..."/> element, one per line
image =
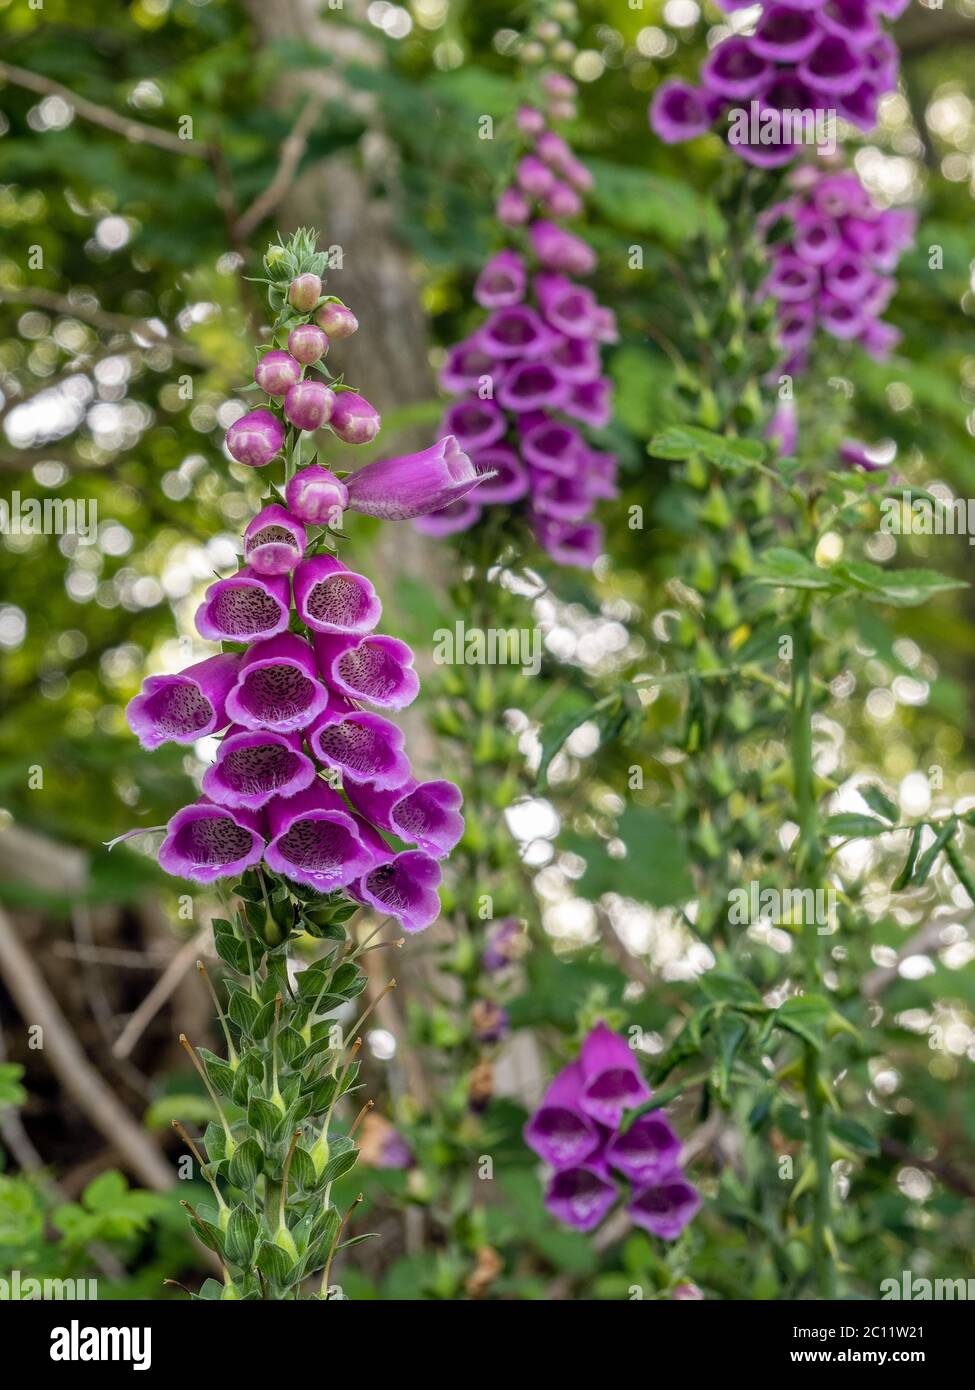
<point x="809" y="864"/>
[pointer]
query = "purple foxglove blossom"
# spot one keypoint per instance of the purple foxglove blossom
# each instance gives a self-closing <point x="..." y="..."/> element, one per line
<point x="735" y="69"/>
<point x="783" y="428"/>
<point x="785" y="35"/>
<point x="466" y="366"/>
<point x="860" y="106"/>
<point x="796" y="324"/>
<point x="252" y="765"/>
<point x="767" y="156"/>
<point x="567" y="307"/>
<point x="244" y="607"/>
<point x="570" y="544"/>
<point x="415" y="484"/>
<point x="532" y="386"/>
<point x="565" y="499"/>
<point x="534" y="177"/>
<point x="516" y="332"/>
<point x="405" y="887"/>
<point x="559" y="250"/>
<point x="856" y="455"/>
<point x="502" y="946"/>
<point x="255" y="438"/>
<point x="664" y="1210"/>
<point x="601" y="470"/>
<point x="882" y="59"/>
<point x="555" y="447"/>
<point x="336" y="320"/>
<point x="205" y="842"/>
<point x="502" y="282"/>
<point x="363" y="747"/>
<point x="425" y="814"/>
<point x="879" y="339"/>
<point x="552" y="148"/>
<point x="474" y="423"/>
<point x="580" y="1197"/>
<point x="274" y="541"/>
<point x="329" y="597"/>
<point x="529" y="121"/>
<point x="685" y="1293"/>
<point x="277" y="686"/>
<point x="611" y="1077"/>
<point x="562" y="201"/>
<point x="575" y="360"/>
<point x="354" y="420"/>
<point x="840" y="318"/>
<point x="791" y="280"/>
<point x="557" y="84"/>
<point x="186" y="706"/>
<point x="560" y="1131"/>
<point x="489" y="1021"/>
<point x="841" y="195"/>
<point x="679" y="112"/>
<point x="891" y="9"/>
<point x="578" y="175"/>
<point x="315" y="841"/>
<point x="459" y="516"/>
<point x="604" y="325"/>
<point x="304" y="292"/>
<point x="847" y="277"/>
<point x="276" y="372"/>
<point x="505" y="477"/>
<point x="647" y="1152"/>
<point x="852" y="20"/>
<point x="591" y="403"/>
<point x="817" y="241"/>
<point x="834" y="67"/>
<point x="307" y="344"/>
<point x="310" y="404"/>
<point x="512" y="208"/>
<point x="373" y="668"/>
<point x="316" y="496"/>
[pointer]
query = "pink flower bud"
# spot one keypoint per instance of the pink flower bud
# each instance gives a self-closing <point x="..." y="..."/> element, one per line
<point x="354" y="420"/>
<point x="337" y="320"/>
<point x="307" y="344"/>
<point x="309" y="404"/>
<point x="255" y="438"/>
<point x="276" y="371"/>
<point x="304" y="292"/>
<point x="316" y="496"/>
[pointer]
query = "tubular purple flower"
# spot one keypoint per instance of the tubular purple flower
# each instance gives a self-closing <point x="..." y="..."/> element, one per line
<point x="329" y="597"/>
<point x="502" y="281"/>
<point x="560" y="1131"/>
<point x="363" y="747"/>
<point x="734" y="69"/>
<point x="503" y="945"/>
<point x="580" y="1197"/>
<point x="304" y="292"/>
<point x="833" y="67"/>
<point x="558" y="249"/>
<point x="307" y="344"/>
<point x="186" y="706"/>
<point x="425" y="814"/>
<point x="553" y="446"/>
<point x="532" y="386"/>
<point x="647" y="1152"/>
<point x="274" y="541"/>
<point x="611" y="1077"/>
<point x="516" y="332"/>
<point x="504" y="476"/>
<point x="565" y="499"/>
<point x="405" y="887"/>
<point x="277" y="686"/>
<point x="678" y="112"/>
<point x="474" y="423"/>
<point x="570" y="544"/>
<point x="665" y="1209"/>
<point x="562" y="201"/>
<point x="783" y="428"/>
<point x="466" y="366"/>
<point x="315" y="841"/>
<point x="529" y="121"/>
<point x="567" y="307"/>
<point x="244" y="607"/>
<point x="206" y="842"/>
<point x="374" y="668"/>
<point x="336" y="320"/>
<point x="276" y="372"/>
<point x="252" y="765"/>
<point x="354" y="420"/>
<point x="255" y="438"/>
<point x="784" y="34"/>
<point x="591" y="402"/>
<point x="458" y="516"/>
<point x="575" y="360"/>
<point x="512" y="208"/>
<point x="534" y="177"/>
<point x="852" y="20"/>
<point x="414" y="484"/>
<point x="310" y="404"/>
<point x="316" y="496"/>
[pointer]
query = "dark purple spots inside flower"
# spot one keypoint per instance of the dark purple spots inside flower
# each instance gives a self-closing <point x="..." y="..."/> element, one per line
<point x="179" y="709"/>
<point x="340" y="601"/>
<point x="566" y="1135"/>
<point x="370" y="671"/>
<point x="392" y="887"/>
<point x="783" y="27"/>
<point x="262" y="768"/>
<point x="213" y="840"/>
<point x="832" y="61"/>
<point x="317" y="846"/>
<point x="271" y="535"/>
<point x="350" y="744"/>
<point x="615" y="1085"/>
<point x="244" y="611"/>
<point x="276" y="693"/>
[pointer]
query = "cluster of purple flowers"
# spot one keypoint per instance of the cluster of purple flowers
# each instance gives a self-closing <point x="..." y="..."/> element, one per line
<point x="530" y="379"/>
<point x="833" y="271"/>
<point x="291" y="701"/>
<point x="576" y="1131"/>
<point x="805" y="56"/>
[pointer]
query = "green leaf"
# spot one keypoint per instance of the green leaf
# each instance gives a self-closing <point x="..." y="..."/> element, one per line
<point x="854" y="823"/>
<point x="926" y="862"/>
<point x="902" y="588"/>
<point x="685" y="441"/>
<point x="805" y="1015"/>
<point x="782" y="568"/>
<point x="878" y="800"/>
<point x="642" y="201"/>
<point x="856" y="1135"/>
<point x="265" y="1118"/>
<point x="907" y="872"/>
<point x="244" y="1010"/>
<point x="274" y="1262"/>
<point x="655" y="868"/>
<point x="241" y="1233"/>
<point x="615" y="716"/>
<point x="729" y="989"/>
<point x="246" y="1164"/>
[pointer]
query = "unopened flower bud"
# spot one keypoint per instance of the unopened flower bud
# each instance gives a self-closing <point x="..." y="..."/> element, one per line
<point x="336" y="320"/>
<point x="309" y="404"/>
<point x="354" y="420"/>
<point x="304" y="292"/>
<point x="276" y="371"/>
<point x="307" y="344"/>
